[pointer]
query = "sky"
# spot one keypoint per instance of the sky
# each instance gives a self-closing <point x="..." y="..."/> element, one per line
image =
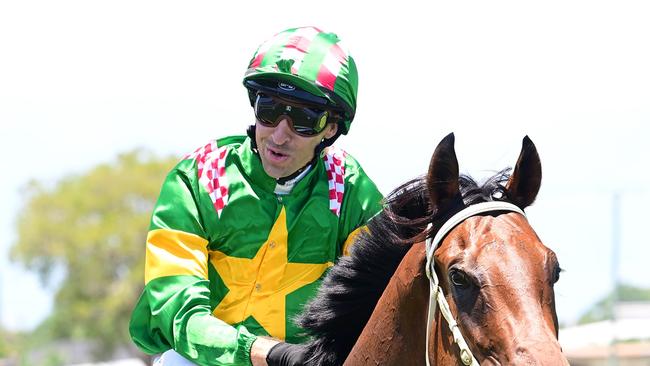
<point x="82" y="81"/>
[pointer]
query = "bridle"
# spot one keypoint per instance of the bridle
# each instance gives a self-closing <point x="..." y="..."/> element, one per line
<point x="436" y="295"/>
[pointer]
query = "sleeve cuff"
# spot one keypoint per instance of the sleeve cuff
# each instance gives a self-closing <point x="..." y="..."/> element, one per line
<point x="244" y="342"/>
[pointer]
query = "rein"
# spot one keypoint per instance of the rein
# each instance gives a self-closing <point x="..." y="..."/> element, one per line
<point x="436" y="295"/>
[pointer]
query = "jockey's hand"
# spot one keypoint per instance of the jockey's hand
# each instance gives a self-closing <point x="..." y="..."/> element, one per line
<point x="287" y="354"/>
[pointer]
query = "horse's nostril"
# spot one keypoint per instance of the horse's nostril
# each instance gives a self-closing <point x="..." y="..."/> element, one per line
<point x="523" y="356"/>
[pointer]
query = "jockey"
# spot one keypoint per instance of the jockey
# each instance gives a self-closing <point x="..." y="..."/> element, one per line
<point x="245" y="227"/>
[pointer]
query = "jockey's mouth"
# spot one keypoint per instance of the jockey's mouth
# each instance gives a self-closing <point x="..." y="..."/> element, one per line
<point x="276" y="154"/>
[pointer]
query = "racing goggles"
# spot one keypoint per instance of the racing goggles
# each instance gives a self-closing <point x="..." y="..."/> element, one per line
<point x="304" y="120"/>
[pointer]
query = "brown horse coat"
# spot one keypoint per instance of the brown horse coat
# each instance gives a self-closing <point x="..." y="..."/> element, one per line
<point x="496" y="274"/>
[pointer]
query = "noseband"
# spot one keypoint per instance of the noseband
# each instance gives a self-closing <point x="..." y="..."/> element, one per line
<point x="436" y="295"/>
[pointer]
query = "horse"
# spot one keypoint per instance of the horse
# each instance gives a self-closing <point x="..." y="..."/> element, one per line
<point x="444" y="249"/>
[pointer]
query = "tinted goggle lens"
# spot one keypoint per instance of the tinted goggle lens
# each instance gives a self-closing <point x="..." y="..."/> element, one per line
<point x="305" y="121"/>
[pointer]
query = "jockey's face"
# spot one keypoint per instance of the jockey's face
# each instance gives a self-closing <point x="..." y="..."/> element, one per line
<point x="282" y="151"/>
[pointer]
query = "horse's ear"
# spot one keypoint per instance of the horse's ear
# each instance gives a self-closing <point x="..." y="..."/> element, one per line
<point x="442" y="178"/>
<point x="524" y="183"/>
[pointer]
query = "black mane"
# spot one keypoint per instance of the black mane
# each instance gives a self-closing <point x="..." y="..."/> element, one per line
<point x="351" y="289"/>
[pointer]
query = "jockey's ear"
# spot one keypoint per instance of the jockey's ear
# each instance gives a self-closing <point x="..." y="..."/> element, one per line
<point x="331" y="130"/>
<point x="442" y="178"/>
<point x="524" y="183"/>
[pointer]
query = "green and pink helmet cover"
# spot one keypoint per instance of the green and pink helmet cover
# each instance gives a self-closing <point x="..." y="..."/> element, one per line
<point x="312" y="60"/>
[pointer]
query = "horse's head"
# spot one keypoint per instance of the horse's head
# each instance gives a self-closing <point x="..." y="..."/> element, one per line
<point x="496" y="273"/>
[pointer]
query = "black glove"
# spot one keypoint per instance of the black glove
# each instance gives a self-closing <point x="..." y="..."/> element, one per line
<point x="286" y="354"/>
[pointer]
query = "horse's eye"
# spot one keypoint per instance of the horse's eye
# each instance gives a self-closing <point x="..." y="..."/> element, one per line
<point x="459" y="279"/>
<point x="556" y="273"/>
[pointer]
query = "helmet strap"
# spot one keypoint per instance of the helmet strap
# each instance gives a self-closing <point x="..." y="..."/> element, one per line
<point x="328" y="142"/>
<point x="250" y="131"/>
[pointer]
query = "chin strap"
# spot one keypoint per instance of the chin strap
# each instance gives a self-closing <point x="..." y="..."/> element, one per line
<point x="250" y="132"/>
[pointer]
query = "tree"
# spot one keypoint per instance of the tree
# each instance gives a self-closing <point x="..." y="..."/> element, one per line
<point x="86" y="235"/>
<point x="11" y="345"/>
<point x="602" y="310"/>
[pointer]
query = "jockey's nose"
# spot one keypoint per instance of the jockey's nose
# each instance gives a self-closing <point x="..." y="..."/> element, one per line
<point x="282" y="133"/>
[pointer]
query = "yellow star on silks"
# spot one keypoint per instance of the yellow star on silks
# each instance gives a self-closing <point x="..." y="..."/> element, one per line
<point x="258" y="287"/>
